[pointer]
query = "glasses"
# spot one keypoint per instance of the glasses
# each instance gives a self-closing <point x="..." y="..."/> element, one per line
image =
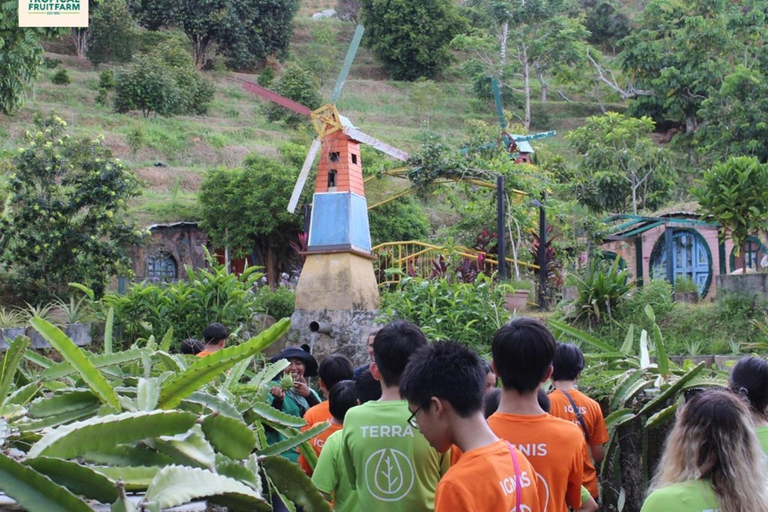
<point x="412" y="419"/>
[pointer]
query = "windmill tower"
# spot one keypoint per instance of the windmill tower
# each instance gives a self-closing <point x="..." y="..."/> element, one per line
<point x="337" y="296"/>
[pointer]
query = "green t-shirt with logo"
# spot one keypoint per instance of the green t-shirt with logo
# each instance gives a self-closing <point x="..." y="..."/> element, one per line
<point x="330" y="476"/>
<point x="762" y="436"/>
<point x="690" y="496"/>
<point x="390" y="464"/>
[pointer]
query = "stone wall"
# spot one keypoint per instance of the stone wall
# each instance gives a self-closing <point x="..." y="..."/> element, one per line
<point x="183" y="241"/>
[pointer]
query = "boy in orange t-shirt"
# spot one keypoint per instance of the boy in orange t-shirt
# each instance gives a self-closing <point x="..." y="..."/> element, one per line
<point x="333" y="368"/>
<point x="341" y="399"/>
<point x="568" y="364"/>
<point x="444" y="384"/>
<point x="523" y="351"/>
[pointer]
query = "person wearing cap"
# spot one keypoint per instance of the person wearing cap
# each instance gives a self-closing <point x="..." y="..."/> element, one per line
<point x="215" y="337"/>
<point x="298" y="399"/>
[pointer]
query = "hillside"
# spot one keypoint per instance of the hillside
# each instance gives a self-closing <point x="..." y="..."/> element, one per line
<point x="176" y="152"/>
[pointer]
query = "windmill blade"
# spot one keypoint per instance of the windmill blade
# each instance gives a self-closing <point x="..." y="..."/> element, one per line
<point x="276" y="98"/>
<point x="499" y="105"/>
<point x="385" y="148"/>
<point x="299" y="187"/>
<point x="353" y="46"/>
<point x="534" y="136"/>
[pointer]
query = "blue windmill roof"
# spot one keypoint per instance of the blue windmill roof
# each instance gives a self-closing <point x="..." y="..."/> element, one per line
<point x="524" y="146"/>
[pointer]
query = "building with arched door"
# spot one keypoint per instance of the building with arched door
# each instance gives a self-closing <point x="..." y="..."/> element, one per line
<point x="678" y="245"/>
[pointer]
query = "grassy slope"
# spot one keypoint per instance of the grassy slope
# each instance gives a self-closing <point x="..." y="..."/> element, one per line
<point x="234" y="126"/>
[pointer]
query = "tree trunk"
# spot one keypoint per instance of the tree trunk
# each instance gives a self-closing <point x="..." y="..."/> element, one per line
<point x="80" y="38"/>
<point x="199" y="49"/>
<point x="527" y="90"/>
<point x="544" y="86"/>
<point x="503" y="50"/>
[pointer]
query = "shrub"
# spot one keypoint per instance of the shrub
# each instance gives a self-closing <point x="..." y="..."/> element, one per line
<point x="600" y="291"/>
<point x="279" y="303"/>
<point x="466" y="312"/>
<point x="298" y="85"/>
<point x="107" y="79"/>
<point x="164" y="82"/>
<point x="266" y="77"/>
<point x="657" y="293"/>
<point x="111" y="33"/>
<point x="61" y="77"/>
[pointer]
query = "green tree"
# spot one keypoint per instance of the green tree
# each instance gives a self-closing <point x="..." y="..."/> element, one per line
<point x="111" y="33"/>
<point x="400" y="219"/>
<point x="66" y="218"/>
<point x="298" y="85"/>
<point x="425" y="95"/>
<point x="411" y="37"/>
<point x="528" y="41"/>
<point x="734" y="118"/>
<point x="245" y="210"/>
<point x="165" y="82"/>
<point x="247" y="31"/>
<point x="682" y="51"/>
<point x="619" y="167"/>
<point x="21" y="57"/>
<point x="735" y="195"/>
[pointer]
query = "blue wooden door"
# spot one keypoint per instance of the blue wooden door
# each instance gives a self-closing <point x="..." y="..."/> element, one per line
<point x="690" y="258"/>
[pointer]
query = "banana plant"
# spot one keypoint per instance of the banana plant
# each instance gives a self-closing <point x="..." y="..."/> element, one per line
<point x="143" y="420"/>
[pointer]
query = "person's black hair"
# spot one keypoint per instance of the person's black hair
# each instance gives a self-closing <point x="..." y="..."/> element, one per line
<point x="487" y="367"/>
<point x="335" y="368"/>
<point x="544" y="401"/>
<point x="342" y="398"/>
<point x="749" y="379"/>
<point x="214" y="333"/>
<point x="367" y="388"/>
<point x="192" y="346"/>
<point x="523" y="351"/>
<point x="568" y="362"/>
<point x="491" y="401"/>
<point x="447" y="370"/>
<point x="393" y="346"/>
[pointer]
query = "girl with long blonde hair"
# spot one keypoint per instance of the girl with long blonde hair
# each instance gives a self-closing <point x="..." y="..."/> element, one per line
<point x="712" y="460"/>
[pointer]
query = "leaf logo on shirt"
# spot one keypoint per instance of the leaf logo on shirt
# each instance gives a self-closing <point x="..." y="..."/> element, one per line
<point x="389" y="474"/>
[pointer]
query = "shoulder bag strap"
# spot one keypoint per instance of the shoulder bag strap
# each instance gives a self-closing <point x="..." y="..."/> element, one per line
<point x="518" y="481"/>
<point x="578" y="415"/>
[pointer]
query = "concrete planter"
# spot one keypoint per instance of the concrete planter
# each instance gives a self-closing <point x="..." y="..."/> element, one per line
<point x="686" y="297"/>
<point x="752" y="284"/>
<point x="79" y="333"/>
<point x="9" y="334"/>
<point x="517" y="301"/>
<point x="679" y="360"/>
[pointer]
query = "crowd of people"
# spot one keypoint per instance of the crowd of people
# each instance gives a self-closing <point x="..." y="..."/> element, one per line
<point x="426" y="427"/>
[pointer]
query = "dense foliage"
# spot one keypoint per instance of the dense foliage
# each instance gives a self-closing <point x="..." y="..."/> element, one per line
<point x="298" y="85"/>
<point x="246" y="210"/>
<point x="735" y="195"/>
<point x="447" y="310"/>
<point x="163" y="82"/>
<point x="411" y="37"/>
<point x="111" y="33"/>
<point x="66" y="216"/>
<point x="247" y="31"/>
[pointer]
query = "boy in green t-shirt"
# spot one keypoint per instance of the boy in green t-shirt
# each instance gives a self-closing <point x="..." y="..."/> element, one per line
<point x="390" y="465"/>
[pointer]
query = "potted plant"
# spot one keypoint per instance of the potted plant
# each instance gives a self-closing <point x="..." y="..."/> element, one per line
<point x="518" y="292"/>
<point x="686" y="290"/>
<point x="11" y="326"/>
<point x="73" y="316"/>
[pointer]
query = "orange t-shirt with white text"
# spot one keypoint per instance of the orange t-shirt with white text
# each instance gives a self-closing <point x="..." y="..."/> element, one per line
<point x="317" y="414"/>
<point x="554" y="448"/>
<point x="484" y="479"/>
<point x="317" y="443"/>
<point x="592" y="415"/>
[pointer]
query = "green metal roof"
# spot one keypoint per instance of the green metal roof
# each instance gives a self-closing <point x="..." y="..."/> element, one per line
<point x="623" y="227"/>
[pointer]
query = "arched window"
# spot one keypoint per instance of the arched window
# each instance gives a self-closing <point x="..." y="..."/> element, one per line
<point x="752" y="251"/>
<point x="162" y="265"/>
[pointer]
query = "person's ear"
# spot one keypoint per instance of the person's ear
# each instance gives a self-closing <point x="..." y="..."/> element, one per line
<point x="437" y="405"/>
<point x="548" y="374"/>
<point x="375" y="372"/>
<point x="323" y="387"/>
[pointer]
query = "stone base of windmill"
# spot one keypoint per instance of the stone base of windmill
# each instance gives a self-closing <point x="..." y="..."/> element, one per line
<point x="345" y="332"/>
<point x="337" y="301"/>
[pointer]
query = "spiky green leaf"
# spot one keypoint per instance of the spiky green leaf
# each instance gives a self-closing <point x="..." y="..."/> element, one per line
<point x="188" y="449"/>
<point x="176" y="485"/>
<point x="34" y="492"/>
<point x="295" y="484"/>
<point x="672" y="390"/>
<point x="75" y="356"/>
<point x="206" y="402"/>
<point x="293" y="441"/>
<point x="77" y="478"/>
<point x="208" y="368"/>
<point x="147" y="394"/>
<point x="131" y="455"/>
<point x="64" y="369"/>
<point x="108" y="326"/>
<point x="62" y="403"/>
<point x="272" y="415"/>
<point x="663" y="416"/>
<point x="229" y="436"/>
<point x="10" y="364"/>
<point x="578" y="334"/>
<point x="97" y="433"/>
<point x="134" y="478"/>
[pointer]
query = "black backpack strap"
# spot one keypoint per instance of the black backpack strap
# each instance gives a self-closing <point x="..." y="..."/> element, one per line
<point x="578" y="414"/>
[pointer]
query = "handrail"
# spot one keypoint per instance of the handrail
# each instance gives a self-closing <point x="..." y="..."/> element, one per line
<point x="416" y="258"/>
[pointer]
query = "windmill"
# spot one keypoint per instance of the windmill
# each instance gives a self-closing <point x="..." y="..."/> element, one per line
<point x="337" y="287"/>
